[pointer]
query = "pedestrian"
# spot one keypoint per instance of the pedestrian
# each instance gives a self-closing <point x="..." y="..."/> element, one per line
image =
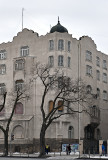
<point x="47" y="148"/>
<point x="69" y="149"/>
<point x="103" y="150"/>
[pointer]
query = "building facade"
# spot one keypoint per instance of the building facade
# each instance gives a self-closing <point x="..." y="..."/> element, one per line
<point x="78" y="58"/>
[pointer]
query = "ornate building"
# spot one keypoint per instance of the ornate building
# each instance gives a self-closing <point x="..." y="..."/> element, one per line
<point x="60" y="50"/>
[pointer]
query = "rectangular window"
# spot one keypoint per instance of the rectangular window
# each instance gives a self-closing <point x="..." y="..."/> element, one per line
<point x="104" y="77"/>
<point x="3" y="54"/>
<point x="69" y="46"/>
<point x="104" y="64"/>
<point x="104" y="95"/>
<point x="51" y="61"/>
<point x="69" y="61"/>
<point x="60" y="60"/>
<point x="98" y="75"/>
<point x="98" y="61"/>
<point x="24" y="51"/>
<point x="88" y="56"/>
<point x="88" y="70"/>
<point x="2" y="68"/>
<point x="19" y="85"/>
<point x="19" y="64"/>
<point x="2" y="88"/>
<point x="51" y="45"/>
<point x="61" y="44"/>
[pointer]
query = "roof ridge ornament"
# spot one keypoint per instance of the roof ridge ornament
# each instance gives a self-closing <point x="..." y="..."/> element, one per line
<point x="58" y="20"/>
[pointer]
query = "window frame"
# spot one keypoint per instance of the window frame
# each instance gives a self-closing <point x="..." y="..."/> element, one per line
<point x="88" y="70"/>
<point x="2" y="69"/>
<point x="51" y="45"/>
<point x="60" y="44"/>
<point x="2" y="54"/>
<point x="24" y="51"/>
<point x="60" y="60"/>
<point x="51" y="61"/>
<point x="88" y="56"/>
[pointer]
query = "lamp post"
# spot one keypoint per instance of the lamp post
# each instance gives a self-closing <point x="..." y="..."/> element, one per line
<point x="79" y="74"/>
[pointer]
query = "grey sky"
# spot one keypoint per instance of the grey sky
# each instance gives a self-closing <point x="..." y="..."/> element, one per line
<point x="80" y="17"/>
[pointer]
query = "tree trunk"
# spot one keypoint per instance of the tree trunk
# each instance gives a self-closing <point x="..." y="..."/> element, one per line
<point x="6" y="143"/>
<point x="42" y="141"/>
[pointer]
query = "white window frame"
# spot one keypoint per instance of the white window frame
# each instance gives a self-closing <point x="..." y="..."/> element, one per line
<point x="51" y="45"/>
<point x="98" y="61"/>
<point x="69" y="46"/>
<point x="51" y="61"/>
<point x="88" y="70"/>
<point x="3" y="54"/>
<point x="104" y="77"/>
<point x="105" y="96"/>
<point x="98" y="75"/>
<point x="24" y="51"/>
<point x="19" y="64"/>
<point x="2" y="88"/>
<point x="61" y="44"/>
<point x="2" y="69"/>
<point x="88" y="56"/>
<point x="104" y="64"/>
<point x="60" y="60"/>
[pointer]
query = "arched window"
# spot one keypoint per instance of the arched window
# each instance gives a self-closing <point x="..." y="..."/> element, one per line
<point x="18" y="132"/>
<point x="50" y="106"/>
<point x="19" y="84"/>
<point x="19" y="108"/>
<point x="60" y="106"/>
<point x="71" y="132"/>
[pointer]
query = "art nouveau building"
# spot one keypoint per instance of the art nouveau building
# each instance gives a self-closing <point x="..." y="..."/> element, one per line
<point x="78" y="58"/>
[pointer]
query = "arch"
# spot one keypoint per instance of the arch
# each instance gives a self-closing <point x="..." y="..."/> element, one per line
<point x="70" y="132"/>
<point x="18" y="132"/>
<point x="19" y="108"/>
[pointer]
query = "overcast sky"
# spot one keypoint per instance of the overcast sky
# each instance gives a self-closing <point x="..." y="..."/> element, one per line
<point x="80" y="17"/>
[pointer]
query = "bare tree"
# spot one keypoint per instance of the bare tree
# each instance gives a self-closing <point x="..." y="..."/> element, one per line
<point x="64" y="89"/>
<point x="13" y="98"/>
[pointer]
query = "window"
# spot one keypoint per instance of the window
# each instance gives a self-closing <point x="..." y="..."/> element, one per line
<point x="98" y="75"/>
<point x="98" y="92"/>
<point x="60" y="82"/>
<point x="69" y="61"/>
<point x="88" y="56"/>
<point x="88" y="70"/>
<point x="50" y="105"/>
<point x="98" y="61"/>
<point x="60" y="60"/>
<point x="2" y="88"/>
<point x="104" y="95"/>
<point x="19" y="64"/>
<point x="104" y="77"/>
<point x="89" y="89"/>
<point x="104" y="64"/>
<point x="60" y="106"/>
<point x="98" y="134"/>
<point x="51" y="45"/>
<point x="3" y="111"/>
<point x="19" y="84"/>
<point x="51" y="61"/>
<point x="71" y="132"/>
<point x="19" y="108"/>
<point x="69" y="45"/>
<point x="2" y="68"/>
<point x="3" y="54"/>
<point x="61" y="44"/>
<point x="24" y="51"/>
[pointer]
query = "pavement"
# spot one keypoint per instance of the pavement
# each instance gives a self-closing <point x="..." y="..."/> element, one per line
<point x="53" y="156"/>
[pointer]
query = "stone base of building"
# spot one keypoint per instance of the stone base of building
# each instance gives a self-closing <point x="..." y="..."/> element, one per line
<point x="33" y="146"/>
